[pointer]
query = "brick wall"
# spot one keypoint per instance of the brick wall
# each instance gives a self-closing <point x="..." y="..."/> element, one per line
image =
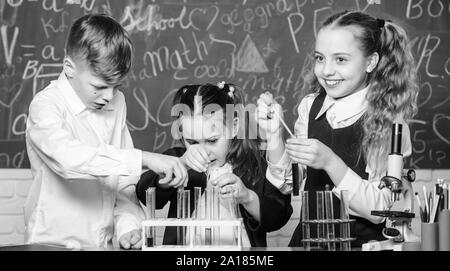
<point x="15" y="183"/>
<point x="14" y="186"/>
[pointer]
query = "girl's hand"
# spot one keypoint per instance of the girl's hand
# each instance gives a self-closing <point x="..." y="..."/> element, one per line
<point x="310" y="152"/>
<point x="268" y="122"/>
<point x="196" y="157"/>
<point x="231" y="185"/>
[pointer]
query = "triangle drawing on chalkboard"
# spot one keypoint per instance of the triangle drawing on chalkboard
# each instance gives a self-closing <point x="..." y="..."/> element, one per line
<point x="249" y="59"/>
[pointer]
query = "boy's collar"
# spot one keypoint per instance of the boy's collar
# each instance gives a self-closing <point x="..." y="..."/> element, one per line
<point x="75" y="103"/>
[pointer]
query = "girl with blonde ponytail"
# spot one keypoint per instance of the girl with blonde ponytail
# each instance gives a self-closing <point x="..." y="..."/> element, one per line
<point x="364" y="81"/>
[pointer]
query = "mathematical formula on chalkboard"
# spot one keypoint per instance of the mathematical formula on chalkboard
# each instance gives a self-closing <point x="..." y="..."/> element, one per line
<point x="258" y="45"/>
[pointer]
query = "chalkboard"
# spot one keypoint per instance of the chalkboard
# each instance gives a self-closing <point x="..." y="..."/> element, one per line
<point x="259" y="45"/>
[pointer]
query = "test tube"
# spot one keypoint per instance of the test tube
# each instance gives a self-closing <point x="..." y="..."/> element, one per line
<point x="320" y="216"/>
<point x="186" y="203"/>
<point x="208" y="214"/>
<point x="198" y="212"/>
<point x="183" y="212"/>
<point x="329" y="215"/>
<point x="186" y="210"/>
<point x="179" y="215"/>
<point x="305" y="218"/>
<point x="216" y="215"/>
<point x="150" y="204"/>
<point x="295" y="179"/>
<point x="197" y="197"/>
<point x="231" y="205"/>
<point x="180" y="202"/>
<point x="234" y="212"/>
<point x="345" y="226"/>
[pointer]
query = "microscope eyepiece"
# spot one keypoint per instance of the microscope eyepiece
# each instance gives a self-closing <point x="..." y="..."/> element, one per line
<point x="396" y="141"/>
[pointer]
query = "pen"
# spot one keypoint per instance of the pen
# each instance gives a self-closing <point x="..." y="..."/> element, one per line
<point x="427" y="207"/>
<point x="435" y="208"/>
<point x="435" y="191"/>
<point x="420" y="206"/>
<point x="430" y="205"/>
<point x="445" y="194"/>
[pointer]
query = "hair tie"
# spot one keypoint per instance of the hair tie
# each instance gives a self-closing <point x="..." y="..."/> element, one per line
<point x="380" y="23"/>
<point x="231" y="91"/>
<point x="222" y="84"/>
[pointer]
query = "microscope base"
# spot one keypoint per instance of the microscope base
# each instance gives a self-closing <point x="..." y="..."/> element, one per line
<point x="391" y="245"/>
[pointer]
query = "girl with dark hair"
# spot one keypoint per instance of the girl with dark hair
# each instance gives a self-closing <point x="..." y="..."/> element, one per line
<point x="364" y="80"/>
<point x="215" y="143"/>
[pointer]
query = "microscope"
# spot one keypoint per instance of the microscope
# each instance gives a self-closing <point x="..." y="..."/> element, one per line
<point x="399" y="216"/>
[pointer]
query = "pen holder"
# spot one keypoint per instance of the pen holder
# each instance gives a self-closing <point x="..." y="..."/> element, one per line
<point x="444" y="230"/>
<point x="429" y="236"/>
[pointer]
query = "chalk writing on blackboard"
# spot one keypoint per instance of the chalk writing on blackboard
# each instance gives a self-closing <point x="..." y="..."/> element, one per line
<point x="259" y="45"/>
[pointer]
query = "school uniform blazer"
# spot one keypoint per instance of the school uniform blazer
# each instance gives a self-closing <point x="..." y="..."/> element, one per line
<point x="275" y="207"/>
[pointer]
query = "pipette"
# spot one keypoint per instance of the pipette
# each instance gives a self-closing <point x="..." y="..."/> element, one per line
<point x="295" y="170"/>
<point x="282" y="122"/>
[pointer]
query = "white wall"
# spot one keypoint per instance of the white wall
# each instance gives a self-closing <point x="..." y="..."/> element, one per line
<point x="15" y="184"/>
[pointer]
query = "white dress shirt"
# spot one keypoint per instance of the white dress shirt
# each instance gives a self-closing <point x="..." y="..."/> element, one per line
<point x="84" y="168"/>
<point x="364" y="195"/>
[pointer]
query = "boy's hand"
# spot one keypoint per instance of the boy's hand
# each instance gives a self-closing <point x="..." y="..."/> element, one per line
<point x="171" y="168"/>
<point x="131" y="239"/>
<point x="309" y="152"/>
<point x="265" y="115"/>
<point x="196" y="157"/>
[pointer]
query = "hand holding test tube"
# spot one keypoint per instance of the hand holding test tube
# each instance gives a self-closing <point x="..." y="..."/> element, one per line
<point x="267" y="108"/>
<point x="295" y="169"/>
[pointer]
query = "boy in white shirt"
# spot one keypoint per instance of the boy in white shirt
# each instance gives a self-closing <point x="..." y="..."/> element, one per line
<point x="82" y="157"/>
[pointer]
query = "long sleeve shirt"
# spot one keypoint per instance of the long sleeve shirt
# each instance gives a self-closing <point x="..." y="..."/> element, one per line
<point x="364" y="195"/>
<point x="275" y="208"/>
<point x="84" y="167"/>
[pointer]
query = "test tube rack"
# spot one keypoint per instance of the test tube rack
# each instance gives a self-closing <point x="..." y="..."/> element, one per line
<point x="191" y="225"/>
<point x="325" y="222"/>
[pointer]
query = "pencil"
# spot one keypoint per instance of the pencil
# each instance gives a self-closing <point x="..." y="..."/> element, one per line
<point x="435" y="208"/>
<point x="420" y="206"/>
<point x="435" y="191"/>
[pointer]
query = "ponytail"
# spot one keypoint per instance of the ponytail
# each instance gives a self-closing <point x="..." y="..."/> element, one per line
<point x="392" y="96"/>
